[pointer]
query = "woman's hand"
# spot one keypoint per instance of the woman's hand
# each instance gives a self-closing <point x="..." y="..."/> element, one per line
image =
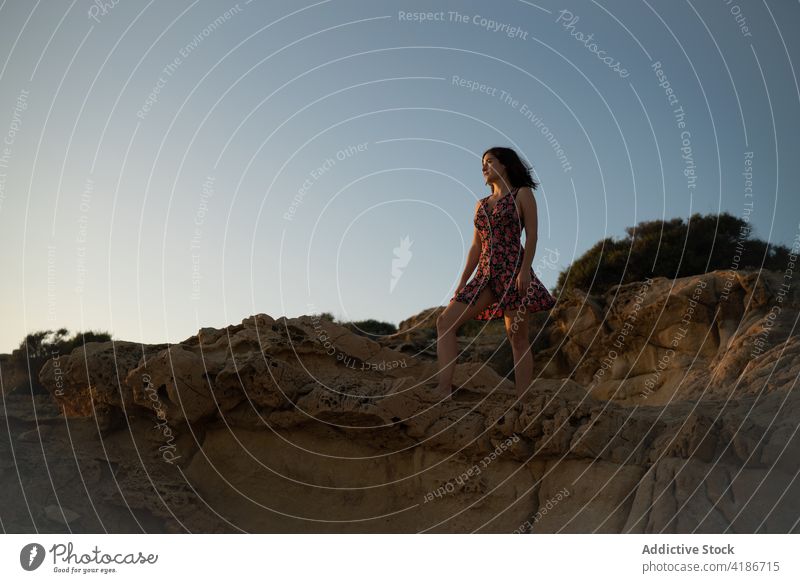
<point x="523" y="281"/>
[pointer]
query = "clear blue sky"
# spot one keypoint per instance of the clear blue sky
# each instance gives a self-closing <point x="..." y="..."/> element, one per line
<point x="152" y="151"/>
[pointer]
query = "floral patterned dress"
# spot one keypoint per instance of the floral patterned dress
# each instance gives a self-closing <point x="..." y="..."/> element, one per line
<point x="500" y="262"/>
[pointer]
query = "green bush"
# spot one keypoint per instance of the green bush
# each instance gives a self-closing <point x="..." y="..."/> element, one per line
<point x="325" y="316"/>
<point x="36" y="348"/>
<point x="45" y="342"/>
<point x="370" y="327"/>
<point x="674" y="248"/>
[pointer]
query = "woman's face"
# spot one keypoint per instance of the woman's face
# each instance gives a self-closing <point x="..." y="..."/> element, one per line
<point x="493" y="170"/>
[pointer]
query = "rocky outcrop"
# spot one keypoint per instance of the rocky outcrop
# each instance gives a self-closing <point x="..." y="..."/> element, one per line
<point x="299" y="425"/>
<point x="666" y="340"/>
<point x="645" y="343"/>
<point x="12" y="375"/>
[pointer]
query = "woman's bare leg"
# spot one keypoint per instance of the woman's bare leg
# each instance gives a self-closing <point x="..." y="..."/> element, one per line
<point x="447" y="326"/>
<point x="517" y="331"/>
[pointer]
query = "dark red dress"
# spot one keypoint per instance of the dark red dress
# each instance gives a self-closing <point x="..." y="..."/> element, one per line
<point x="500" y="262"/>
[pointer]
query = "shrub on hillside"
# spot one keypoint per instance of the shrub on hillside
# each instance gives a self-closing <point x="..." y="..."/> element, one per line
<point x="674" y="248"/>
<point x="37" y="347"/>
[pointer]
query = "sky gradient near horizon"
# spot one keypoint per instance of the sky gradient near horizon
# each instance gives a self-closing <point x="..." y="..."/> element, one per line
<point x="167" y="166"/>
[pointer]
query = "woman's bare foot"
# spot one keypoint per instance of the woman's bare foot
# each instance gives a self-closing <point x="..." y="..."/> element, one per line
<point x="441" y="393"/>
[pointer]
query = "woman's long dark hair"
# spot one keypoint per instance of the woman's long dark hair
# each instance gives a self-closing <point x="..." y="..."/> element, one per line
<point x="519" y="173"/>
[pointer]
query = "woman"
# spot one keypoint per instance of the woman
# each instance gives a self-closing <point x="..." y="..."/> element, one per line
<point x="505" y="285"/>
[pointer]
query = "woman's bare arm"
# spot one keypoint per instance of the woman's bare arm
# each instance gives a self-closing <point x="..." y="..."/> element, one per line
<point x="530" y="221"/>
<point x="474" y="254"/>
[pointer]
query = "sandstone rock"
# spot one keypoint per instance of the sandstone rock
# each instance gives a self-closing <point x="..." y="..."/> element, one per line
<point x="61" y="514"/>
<point x="665" y="407"/>
<point x="12" y="375"/>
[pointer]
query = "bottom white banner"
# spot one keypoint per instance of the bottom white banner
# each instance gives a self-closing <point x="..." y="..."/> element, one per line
<point x="392" y="557"/>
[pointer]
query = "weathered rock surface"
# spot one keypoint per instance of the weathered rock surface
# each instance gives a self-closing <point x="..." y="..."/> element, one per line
<point x="12" y="375"/>
<point x="299" y="425"/>
<point x="644" y="343"/>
